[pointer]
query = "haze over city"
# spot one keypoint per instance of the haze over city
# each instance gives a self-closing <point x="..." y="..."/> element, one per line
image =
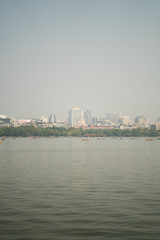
<point x="99" y="55"/>
<point x="80" y="119"/>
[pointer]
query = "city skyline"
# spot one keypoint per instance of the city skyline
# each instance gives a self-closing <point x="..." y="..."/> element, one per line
<point x="65" y="118"/>
<point x="84" y="114"/>
<point x="99" y="55"/>
<point x="78" y="118"/>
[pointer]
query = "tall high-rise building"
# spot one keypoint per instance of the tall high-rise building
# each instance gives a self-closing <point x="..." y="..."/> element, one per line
<point x="95" y="120"/>
<point x="52" y="118"/>
<point x="88" y="117"/>
<point x="75" y="117"/>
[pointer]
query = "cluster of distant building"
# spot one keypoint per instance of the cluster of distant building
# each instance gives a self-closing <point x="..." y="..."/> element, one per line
<point x="78" y="118"/>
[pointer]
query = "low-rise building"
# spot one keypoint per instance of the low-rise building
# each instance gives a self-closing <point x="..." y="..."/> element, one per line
<point x="141" y="122"/>
<point x="125" y="120"/>
<point x="155" y="126"/>
<point x="6" y="121"/>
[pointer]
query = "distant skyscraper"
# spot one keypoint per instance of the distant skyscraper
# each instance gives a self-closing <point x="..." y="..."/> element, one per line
<point x="52" y="118"/>
<point x="94" y="120"/>
<point x="75" y="117"/>
<point x="88" y="117"/>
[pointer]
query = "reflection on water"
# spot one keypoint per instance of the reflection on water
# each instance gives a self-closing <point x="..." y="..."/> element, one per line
<point x="65" y="188"/>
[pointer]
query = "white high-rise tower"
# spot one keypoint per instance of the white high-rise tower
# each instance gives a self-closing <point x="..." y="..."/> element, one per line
<point x="76" y="117"/>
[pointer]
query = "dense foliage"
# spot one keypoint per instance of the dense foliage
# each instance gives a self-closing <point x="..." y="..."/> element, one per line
<point x="27" y="131"/>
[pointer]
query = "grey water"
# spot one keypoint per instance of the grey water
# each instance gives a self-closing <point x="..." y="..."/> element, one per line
<point x="65" y="188"/>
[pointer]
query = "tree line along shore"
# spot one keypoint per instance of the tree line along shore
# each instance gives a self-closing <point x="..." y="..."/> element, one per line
<point x="31" y="131"/>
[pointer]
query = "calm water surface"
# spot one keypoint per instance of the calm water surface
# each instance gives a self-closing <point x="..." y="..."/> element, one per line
<point x="65" y="188"/>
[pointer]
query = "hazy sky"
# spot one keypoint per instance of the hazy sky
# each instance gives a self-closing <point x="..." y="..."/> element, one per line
<point x="102" y="55"/>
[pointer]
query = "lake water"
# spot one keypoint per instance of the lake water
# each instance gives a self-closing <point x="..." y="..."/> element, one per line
<point x="68" y="189"/>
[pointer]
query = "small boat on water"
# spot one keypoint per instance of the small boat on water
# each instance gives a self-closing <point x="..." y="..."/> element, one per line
<point x="150" y="139"/>
<point x="85" y="139"/>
